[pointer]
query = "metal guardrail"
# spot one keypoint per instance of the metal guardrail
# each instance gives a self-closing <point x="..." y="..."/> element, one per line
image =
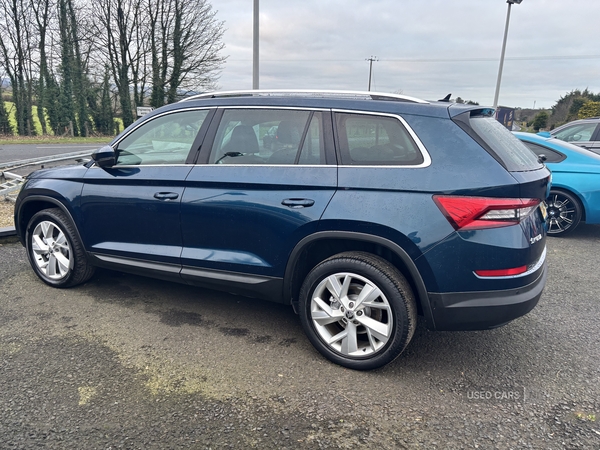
<point x="12" y="165"/>
<point x="10" y="182"/>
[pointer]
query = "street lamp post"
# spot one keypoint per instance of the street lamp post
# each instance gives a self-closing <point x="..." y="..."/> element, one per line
<point x="510" y="3"/>
<point x="255" y="42"/>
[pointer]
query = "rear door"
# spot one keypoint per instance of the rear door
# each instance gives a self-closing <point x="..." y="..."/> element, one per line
<point x="247" y="204"/>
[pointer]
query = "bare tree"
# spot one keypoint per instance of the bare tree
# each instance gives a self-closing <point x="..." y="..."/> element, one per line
<point x="115" y="20"/>
<point x="46" y="89"/>
<point x="15" y="44"/>
<point x="156" y="51"/>
<point x="186" y="47"/>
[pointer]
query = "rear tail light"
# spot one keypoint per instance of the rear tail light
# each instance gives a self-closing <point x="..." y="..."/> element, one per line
<point x="472" y="213"/>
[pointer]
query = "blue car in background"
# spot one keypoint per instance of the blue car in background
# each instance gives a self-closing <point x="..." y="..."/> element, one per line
<point x="575" y="192"/>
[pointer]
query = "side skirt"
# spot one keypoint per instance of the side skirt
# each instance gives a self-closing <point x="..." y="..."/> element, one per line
<point x="248" y="285"/>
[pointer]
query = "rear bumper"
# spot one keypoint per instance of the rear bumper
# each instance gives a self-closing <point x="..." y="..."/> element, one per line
<point x="483" y="310"/>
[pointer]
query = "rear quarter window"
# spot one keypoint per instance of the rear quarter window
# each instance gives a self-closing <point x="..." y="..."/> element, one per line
<point x="501" y="143"/>
<point x="551" y="155"/>
<point x="498" y="141"/>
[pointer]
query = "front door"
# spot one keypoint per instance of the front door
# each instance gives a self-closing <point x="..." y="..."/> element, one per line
<point x="131" y="210"/>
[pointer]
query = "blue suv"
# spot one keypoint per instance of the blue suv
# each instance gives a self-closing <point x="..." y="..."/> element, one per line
<point x="368" y="210"/>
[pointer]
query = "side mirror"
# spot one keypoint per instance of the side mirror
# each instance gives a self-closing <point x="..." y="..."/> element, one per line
<point x="105" y="156"/>
<point x="544" y="134"/>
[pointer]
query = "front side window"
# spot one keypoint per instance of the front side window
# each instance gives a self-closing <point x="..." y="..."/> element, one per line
<point x="575" y="133"/>
<point x="166" y="139"/>
<point x="269" y="136"/>
<point x="375" y="140"/>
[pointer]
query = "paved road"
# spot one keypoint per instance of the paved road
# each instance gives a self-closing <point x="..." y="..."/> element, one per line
<point x="131" y="362"/>
<point x="16" y="152"/>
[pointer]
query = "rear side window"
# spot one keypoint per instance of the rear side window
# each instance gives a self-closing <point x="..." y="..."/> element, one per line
<point x="551" y="155"/>
<point x="366" y="139"/>
<point x="501" y="143"/>
<point x="269" y="137"/>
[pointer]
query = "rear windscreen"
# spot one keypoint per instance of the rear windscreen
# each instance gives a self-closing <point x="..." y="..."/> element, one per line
<point x="509" y="150"/>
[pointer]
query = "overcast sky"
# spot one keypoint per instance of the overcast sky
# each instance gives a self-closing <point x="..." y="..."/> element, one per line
<point x="426" y="48"/>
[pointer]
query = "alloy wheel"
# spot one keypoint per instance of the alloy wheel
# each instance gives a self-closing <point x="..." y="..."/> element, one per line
<point x="51" y="251"/>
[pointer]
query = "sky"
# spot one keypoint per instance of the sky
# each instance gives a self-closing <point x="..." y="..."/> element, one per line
<point x="425" y="48"/>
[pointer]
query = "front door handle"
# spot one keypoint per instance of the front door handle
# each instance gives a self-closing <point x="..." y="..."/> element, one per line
<point x="298" y="202"/>
<point x="166" y="195"/>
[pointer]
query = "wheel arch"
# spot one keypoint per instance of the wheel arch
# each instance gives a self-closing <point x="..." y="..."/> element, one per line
<point x="32" y="205"/>
<point x="574" y="194"/>
<point x="321" y="245"/>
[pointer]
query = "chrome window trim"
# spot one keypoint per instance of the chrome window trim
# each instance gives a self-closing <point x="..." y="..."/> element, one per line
<point x="132" y="166"/>
<point x="426" y="157"/>
<point x="331" y="166"/>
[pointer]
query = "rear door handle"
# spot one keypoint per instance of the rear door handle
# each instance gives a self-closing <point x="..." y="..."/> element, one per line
<point x="298" y="202"/>
<point x="166" y="195"/>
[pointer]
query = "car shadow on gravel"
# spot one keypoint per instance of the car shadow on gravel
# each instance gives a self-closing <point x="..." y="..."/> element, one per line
<point x="178" y="304"/>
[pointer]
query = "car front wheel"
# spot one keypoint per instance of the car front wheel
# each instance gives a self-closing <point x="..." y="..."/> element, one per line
<point x="564" y="213"/>
<point x="357" y="310"/>
<point x="54" y="250"/>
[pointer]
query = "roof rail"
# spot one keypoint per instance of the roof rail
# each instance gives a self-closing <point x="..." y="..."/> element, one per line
<point x="308" y="93"/>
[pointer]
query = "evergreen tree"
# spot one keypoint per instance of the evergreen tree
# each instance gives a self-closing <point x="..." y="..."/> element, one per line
<point x="67" y="110"/>
<point x="5" y="127"/>
<point x="105" y="117"/>
<point x="540" y="121"/>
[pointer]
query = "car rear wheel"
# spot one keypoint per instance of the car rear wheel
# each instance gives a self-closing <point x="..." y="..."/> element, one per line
<point x="564" y="213"/>
<point x="357" y="310"/>
<point x="54" y="250"/>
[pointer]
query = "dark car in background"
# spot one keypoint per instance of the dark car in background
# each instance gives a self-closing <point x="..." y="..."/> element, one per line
<point x="575" y="193"/>
<point x="584" y="133"/>
<point x="370" y="210"/>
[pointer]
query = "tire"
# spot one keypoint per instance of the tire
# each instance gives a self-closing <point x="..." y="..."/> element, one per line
<point x="365" y="335"/>
<point x="564" y="212"/>
<point x="55" y="251"/>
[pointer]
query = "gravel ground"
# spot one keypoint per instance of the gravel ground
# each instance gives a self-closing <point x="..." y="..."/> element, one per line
<point x="6" y="213"/>
<point x="136" y="363"/>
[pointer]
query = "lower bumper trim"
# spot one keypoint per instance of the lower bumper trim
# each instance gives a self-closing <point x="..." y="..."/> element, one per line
<point x="484" y="310"/>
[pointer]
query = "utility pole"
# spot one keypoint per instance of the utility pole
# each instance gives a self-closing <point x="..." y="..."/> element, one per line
<point x="371" y="59"/>
<point x="255" y="47"/>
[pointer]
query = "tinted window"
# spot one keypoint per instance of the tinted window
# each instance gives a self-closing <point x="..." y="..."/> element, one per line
<point x="268" y="136"/>
<point x="511" y="151"/>
<point x="579" y="132"/>
<point x="167" y="139"/>
<point x="375" y="140"/>
<point x="551" y="155"/>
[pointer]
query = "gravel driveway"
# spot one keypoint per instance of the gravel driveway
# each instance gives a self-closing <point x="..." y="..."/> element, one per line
<point x="137" y="363"/>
